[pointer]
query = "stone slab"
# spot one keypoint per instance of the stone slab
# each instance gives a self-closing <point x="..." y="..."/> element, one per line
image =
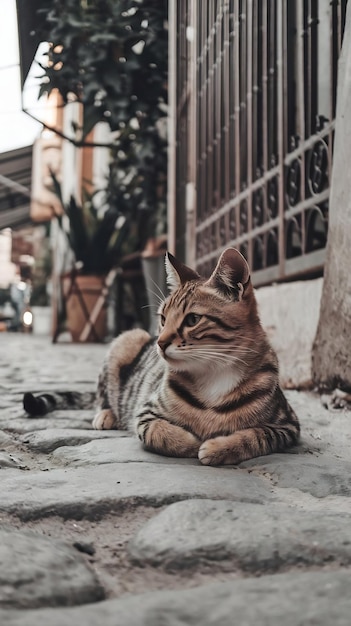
<point x="323" y="431"/>
<point x="6" y="399"/>
<point x="47" y="440"/>
<point x="15" y="420"/>
<point x="320" y="477"/>
<point x="39" y="571"/>
<point x="292" y="599"/>
<point x="55" y="383"/>
<point x="250" y="536"/>
<point x="5" y="438"/>
<point x="29" y="353"/>
<point x="90" y="492"/>
<point x="123" y="450"/>
<point x="9" y="460"/>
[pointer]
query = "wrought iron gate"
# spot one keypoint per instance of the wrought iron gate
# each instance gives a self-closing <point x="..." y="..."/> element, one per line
<point x="254" y="123"/>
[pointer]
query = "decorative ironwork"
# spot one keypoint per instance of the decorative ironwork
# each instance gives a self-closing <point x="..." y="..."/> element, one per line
<point x="256" y="135"/>
<point x="318" y="167"/>
<point x="293" y="183"/>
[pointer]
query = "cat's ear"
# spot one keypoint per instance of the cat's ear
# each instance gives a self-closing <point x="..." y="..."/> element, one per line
<point x="177" y="272"/>
<point x="231" y="274"/>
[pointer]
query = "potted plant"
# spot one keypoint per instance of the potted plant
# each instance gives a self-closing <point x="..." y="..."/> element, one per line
<point x="95" y="239"/>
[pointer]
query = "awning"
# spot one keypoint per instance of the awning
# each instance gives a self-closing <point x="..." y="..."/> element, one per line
<point x="15" y="187"/>
<point x="28" y="39"/>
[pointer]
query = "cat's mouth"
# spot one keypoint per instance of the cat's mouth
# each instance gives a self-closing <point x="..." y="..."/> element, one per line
<point x="171" y="353"/>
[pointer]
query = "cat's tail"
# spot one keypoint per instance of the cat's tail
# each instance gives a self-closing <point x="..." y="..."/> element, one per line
<point x="41" y="404"/>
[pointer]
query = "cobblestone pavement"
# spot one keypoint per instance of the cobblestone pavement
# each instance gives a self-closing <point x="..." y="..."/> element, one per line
<point x="94" y="530"/>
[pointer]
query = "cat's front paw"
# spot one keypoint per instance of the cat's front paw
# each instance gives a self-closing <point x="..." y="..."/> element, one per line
<point x="104" y="420"/>
<point x="215" y="452"/>
<point x="161" y="437"/>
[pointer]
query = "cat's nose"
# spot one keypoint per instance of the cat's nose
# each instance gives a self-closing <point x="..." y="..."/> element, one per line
<point x="164" y="343"/>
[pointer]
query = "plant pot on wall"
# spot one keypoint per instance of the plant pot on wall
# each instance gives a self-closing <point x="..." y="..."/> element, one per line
<point x="81" y="293"/>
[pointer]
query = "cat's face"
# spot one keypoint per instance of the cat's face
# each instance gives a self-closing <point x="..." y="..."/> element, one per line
<point x="207" y="324"/>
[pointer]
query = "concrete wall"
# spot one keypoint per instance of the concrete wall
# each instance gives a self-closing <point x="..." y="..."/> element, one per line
<point x="289" y="313"/>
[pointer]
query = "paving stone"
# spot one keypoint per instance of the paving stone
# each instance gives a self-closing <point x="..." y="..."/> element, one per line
<point x="36" y="358"/>
<point x="321" y="477"/>
<point x="123" y="450"/>
<point x="293" y="599"/>
<point x="15" y="420"/>
<point x="51" y="438"/>
<point x="5" y="438"/>
<point x="9" y="460"/>
<point x="6" y="401"/>
<point x="53" y="383"/>
<point x="39" y="571"/>
<point x="92" y="491"/>
<point x="251" y="536"/>
<point x="323" y="431"/>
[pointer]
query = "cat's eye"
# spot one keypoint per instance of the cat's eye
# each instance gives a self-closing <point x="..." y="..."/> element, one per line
<point x="192" y="319"/>
<point x="162" y="319"/>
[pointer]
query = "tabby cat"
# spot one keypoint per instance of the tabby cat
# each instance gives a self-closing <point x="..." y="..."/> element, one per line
<point x="208" y="386"/>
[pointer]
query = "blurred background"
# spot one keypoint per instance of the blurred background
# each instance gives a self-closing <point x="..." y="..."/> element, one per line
<point x="83" y="164"/>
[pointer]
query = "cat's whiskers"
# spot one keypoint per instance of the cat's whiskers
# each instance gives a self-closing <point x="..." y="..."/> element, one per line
<point x="213" y="348"/>
<point x="208" y="355"/>
<point x="150" y="306"/>
<point x="210" y="362"/>
<point x="243" y="349"/>
<point x="159" y="289"/>
<point x="228" y="359"/>
<point x="202" y="356"/>
<point x="157" y="296"/>
<point x="219" y="350"/>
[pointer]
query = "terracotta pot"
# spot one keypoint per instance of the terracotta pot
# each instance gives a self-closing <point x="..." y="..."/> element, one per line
<point x="82" y="294"/>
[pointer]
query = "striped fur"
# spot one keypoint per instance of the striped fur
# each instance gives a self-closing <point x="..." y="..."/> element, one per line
<point x="208" y="386"/>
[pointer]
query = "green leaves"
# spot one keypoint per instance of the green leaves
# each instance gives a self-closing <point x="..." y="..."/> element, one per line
<point x="91" y="48"/>
<point x="112" y="54"/>
<point x="94" y="240"/>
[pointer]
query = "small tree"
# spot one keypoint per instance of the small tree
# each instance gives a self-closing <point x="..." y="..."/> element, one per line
<point x="112" y="56"/>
